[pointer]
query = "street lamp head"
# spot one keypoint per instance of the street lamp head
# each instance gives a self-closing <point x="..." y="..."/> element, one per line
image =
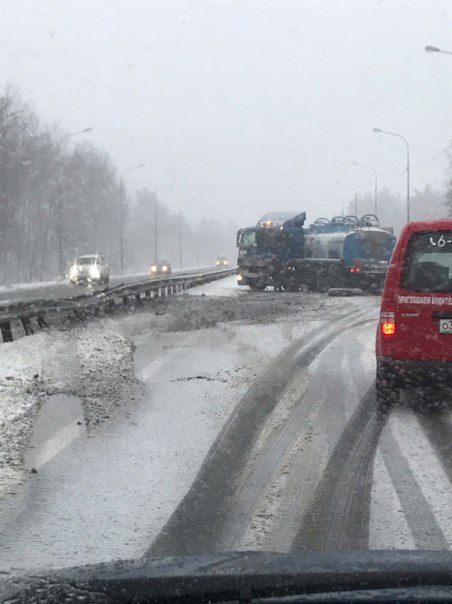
<point x="87" y="130"/>
<point x="377" y="130"/>
<point x="354" y="163"/>
<point x="141" y="166"/>
<point x="430" y="48"/>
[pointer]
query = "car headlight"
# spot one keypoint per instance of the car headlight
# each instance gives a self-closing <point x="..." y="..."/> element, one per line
<point x="164" y="268"/>
<point x="239" y="277"/>
<point x="94" y="272"/>
<point x="153" y="269"/>
<point x="73" y="271"/>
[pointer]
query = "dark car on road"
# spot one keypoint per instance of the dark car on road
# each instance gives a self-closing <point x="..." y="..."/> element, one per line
<point x="222" y="261"/>
<point x="161" y="267"/>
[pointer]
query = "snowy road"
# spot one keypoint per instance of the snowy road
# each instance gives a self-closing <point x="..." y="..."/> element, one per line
<point x="258" y="430"/>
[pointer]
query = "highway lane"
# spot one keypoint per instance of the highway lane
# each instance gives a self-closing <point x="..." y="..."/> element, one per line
<point x="328" y="473"/>
<point x="304" y="462"/>
<point x="52" y="290"/>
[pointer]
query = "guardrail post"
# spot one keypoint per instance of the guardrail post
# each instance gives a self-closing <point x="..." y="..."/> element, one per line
<point x="7" y="334"/>
<point x="42" y="322"/>
<point x="26" y="324"/>
<point x="79" y="313"/>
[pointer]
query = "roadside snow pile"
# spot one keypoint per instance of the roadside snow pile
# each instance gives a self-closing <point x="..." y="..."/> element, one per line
<point x="93" y="364"/>
<point x="20" y="397"/>
<point x="189" y="312"/>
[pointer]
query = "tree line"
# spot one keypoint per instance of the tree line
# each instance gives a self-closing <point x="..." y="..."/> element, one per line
<point x="427" y="204"/>
<point x="58" y="201"/>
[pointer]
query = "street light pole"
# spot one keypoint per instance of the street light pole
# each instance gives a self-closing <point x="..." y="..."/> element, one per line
<point x="156" y="247"/>
<point x="121" y="213"/>
<point x="380" y="131"/>
<point x="355" y="163"/>
<point x="180" y="239"/>
<point x="60" y="204"/>
<point x="121" y="225"/>
<point x="431" y="49"/>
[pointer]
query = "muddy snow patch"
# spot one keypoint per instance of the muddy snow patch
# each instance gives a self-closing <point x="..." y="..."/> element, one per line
<point x="94" y="364"/>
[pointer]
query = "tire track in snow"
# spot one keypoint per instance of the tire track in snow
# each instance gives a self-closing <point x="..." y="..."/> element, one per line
<point x="338" y="517"/>
<point x="308" y="436"/>
<point x="196" y="524"/>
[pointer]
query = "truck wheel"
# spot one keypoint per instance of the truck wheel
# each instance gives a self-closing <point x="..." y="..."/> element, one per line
<point x="386" y="389"/>
<point x="291" y="287"/>
<point x="257" y="286"/>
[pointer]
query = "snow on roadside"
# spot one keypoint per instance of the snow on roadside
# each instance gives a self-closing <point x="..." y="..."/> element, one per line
<point x="93" y="364"/>
<point x="222" y="287"/>
<point x="25" y="286"/>
<point x="196" y="354"/>
<point x="118" y="489"/>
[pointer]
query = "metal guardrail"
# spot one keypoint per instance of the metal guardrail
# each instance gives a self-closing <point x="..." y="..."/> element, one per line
<point x="108" y="300"/>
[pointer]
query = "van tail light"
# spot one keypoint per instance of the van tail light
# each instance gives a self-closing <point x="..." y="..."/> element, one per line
<point x="387" y="323"/>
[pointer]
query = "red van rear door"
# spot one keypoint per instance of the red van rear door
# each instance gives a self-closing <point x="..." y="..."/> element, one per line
<point x="424" y="298"/>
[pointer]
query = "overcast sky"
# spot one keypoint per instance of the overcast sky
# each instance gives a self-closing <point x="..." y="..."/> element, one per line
<point x="239" y="107"/>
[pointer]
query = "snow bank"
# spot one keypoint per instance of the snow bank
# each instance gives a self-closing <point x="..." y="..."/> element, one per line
<point x="93" y="364"/>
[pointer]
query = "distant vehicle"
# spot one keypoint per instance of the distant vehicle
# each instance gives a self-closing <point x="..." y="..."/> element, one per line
<point x="345" y="252"/>
<point x="162" y="267"/>
<point x="90" y="268"/>
<point x="222" y="261"/>
<point x="265" y="249"/>
<point x="414" y="337"/>
<point x="342" y="252"/>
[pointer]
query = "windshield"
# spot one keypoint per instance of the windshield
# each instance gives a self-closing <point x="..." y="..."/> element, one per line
<point x="246" y="238"/>
<point x="225" y="280"/>
<point x="429" y="264"/>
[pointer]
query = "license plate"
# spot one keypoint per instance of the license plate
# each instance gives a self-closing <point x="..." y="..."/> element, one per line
<point x="445" y="326"/>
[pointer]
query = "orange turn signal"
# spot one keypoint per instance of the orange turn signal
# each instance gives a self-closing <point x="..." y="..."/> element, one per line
<point x="388" y="328"/>
<point x="387" y="323"/>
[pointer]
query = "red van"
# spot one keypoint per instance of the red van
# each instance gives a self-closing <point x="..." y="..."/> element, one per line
<point x="414" y="336"/>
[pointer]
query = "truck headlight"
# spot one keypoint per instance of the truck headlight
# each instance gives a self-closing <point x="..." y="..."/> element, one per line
<point x="164" y="268"/>
<point x="153" y="269"/>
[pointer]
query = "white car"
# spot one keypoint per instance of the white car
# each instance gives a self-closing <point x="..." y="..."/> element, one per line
<point x="90" y="268"/>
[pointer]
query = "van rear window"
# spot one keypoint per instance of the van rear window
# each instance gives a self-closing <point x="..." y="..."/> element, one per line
<point x="428" y="262"/>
